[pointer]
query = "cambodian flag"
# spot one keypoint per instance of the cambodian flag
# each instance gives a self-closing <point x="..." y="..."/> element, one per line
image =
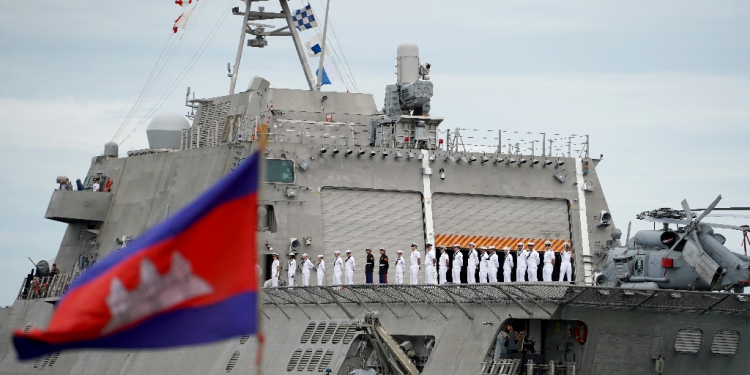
<point x="177" y="284"/>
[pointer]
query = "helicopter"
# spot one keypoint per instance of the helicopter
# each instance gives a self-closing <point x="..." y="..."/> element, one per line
<point x="693" y="257"/>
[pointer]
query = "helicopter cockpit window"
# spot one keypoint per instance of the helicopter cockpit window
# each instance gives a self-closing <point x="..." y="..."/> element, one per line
<point x="280" y="170"/>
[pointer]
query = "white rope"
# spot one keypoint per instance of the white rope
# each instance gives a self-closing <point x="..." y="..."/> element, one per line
<point x="185" y="70"/>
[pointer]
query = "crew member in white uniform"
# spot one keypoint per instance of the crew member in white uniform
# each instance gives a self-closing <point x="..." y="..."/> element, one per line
<point x="565" y="267"/>
<point x="521" y="256"/>
<point x="349" y="266"/>
<point x="443" y="265"/>
<point x="483" y="259"/>
<point x="507" y="265"/>
<point x="321" y="270"/>
<point x="458" y="262"/>
<point x="493" y="264"/>
<point x="415" y="265"/>
<point x="292" y="269"/>
<point x="400" y="267"/>
<point x="532" y="262"/>
<point x="549" y="262"/>
<point x="275" y="270"/>
<point x="307" y="265"/>
<point x="471" y="269"/>
<point x="429" y="263"/>
<point x="338" y="267"/>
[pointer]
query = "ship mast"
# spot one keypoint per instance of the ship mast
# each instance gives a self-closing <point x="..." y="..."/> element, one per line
<point x="260" y="37"/>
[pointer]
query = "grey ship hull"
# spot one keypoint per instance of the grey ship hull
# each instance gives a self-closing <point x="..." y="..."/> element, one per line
<point x="625" y="332"/>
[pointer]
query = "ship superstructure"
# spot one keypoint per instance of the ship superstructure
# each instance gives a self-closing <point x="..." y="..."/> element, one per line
<point x="342" y="174"/>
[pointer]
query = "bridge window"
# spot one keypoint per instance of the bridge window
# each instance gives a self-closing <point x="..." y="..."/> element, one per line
<point x="280" y="170"/>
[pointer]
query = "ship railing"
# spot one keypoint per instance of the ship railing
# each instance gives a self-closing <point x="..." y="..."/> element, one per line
<point x="46" y="287"/>
<point x="542" y="297"/>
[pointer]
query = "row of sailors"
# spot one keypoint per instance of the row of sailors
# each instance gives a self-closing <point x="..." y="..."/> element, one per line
<point x="487" y="262"/>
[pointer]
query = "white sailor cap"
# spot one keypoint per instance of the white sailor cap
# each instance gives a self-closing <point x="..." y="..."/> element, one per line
<point x="274" y="254"/>
<point x="530" y="244"/>
<point x="320" y="255"/>
<point x="414" y="244"/>
<point x="567" y="244"/>
<point x="483" y="248"/>
<point x="337" y="252"/>
<point x="292" y="254"/>
<point x="304" y="254"/>
<point x="368" y="248"/>
<point x="348" y="251"/>
<point x="506" y="248"/>
<point x="492" y="248"/>
<point x="548" y="243"/>
<point x="382" y="248"/>
<point x="400" y="252"/>
<point x="457" y="245"/>
<point x="472" y="244"/>
<point x="521" y="244"/>
<point x="428" y="245"/>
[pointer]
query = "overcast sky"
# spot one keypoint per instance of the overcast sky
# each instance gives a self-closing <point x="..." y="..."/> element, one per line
<point x="663" y="88"/>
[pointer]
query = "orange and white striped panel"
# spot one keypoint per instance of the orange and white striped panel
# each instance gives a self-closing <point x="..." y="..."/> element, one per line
<point x="448" y="240"/>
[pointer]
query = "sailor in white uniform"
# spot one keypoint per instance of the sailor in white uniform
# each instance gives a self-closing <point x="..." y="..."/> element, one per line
<point x="521" y="256"/>
<point x="549" y="262"/>
<point x="321" y="270"/>
<point x="415" y="265"/>
<point x="429" y="263"/>
<point x="507" y="265"/>
<point x="492" y="265"/>
<point x="565" y="267"/>
<point x="532" y="262"/>
<point x="349" y="265"/>
<point x="483" y="259"/>
<point x="471" y="269"/>
<point x="400" y="267"/>
<point x="292" y="269"/>
<point x="275" y="270"/>
<point x="338" y="267"/>
<point x="458" y="262"/>
<point x="443" y="265"/>
<point x="307" y="265"/>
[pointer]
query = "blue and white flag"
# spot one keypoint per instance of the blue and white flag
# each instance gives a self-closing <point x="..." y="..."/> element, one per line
<point x="315" y="45"/>
<point x="304" y="18"/>
<point x="330" y="75"/>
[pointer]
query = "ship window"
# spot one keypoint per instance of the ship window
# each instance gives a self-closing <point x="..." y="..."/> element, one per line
<point x="280" y="170"/>
<point x="308" y="332"/>
<point x="725" y="343"/>
<point x="688" y="340"/>
<point x="294" y="360"/>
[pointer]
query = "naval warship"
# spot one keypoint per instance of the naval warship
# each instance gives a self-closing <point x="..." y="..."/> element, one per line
<point x="342" y="174"/>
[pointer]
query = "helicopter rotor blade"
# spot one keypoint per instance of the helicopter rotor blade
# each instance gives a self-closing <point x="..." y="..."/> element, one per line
<point x="709" y="209"/>
<point x="682" y="237"/>
<point x="743" y="228"/>
<point x="665" y="220"/>
<point x="686" y="207"/>
<point x="701" y="262"/>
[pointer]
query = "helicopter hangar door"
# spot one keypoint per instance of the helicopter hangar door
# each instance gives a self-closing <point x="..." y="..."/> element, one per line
<point x="499" y="221"/>
<point x="355" y="219"/>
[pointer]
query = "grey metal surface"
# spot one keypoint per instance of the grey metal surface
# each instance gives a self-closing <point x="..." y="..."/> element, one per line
<point x="354" y="219"/>
<point x="70" y="206"/>
<point x="493" y="216"/>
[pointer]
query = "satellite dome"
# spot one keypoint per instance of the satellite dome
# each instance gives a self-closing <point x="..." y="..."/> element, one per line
<point x="165" y="130"/>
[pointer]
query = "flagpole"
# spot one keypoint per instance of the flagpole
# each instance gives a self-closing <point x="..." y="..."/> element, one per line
<point x="323" y="46"/>
<point x="260" y="146"/>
